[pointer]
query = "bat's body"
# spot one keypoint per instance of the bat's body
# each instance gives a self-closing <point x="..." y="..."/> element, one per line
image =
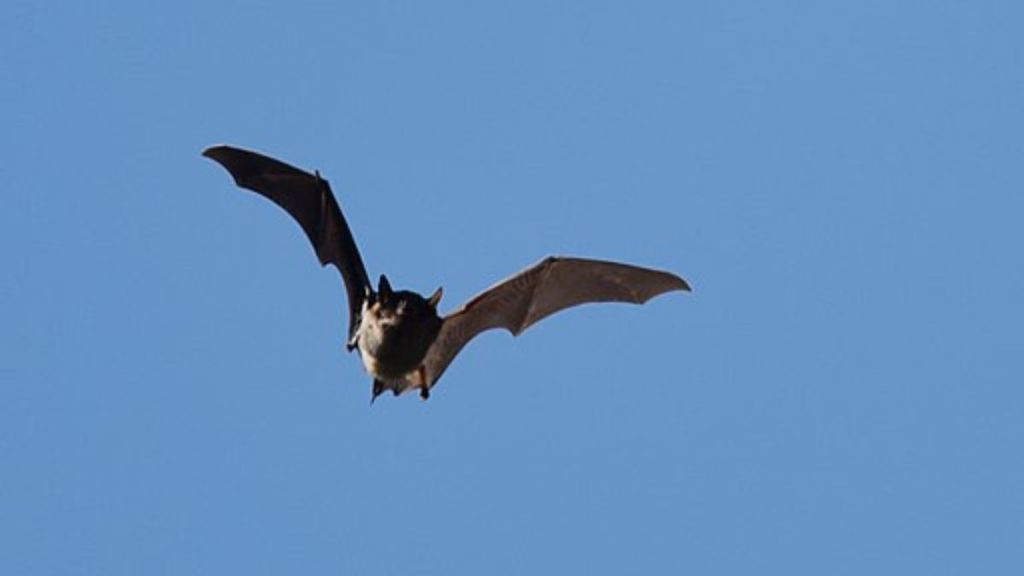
<point x="403" y="342"/>
<point x="393" y="340"/>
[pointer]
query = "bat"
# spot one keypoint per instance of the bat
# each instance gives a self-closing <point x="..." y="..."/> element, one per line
<point x="403" y="342"/>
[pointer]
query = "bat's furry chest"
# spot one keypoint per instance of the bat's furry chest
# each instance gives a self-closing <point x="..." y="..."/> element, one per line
<point x="393" y="345"/>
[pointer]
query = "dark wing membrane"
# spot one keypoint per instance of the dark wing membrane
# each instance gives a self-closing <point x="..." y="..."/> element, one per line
<point x="309" y="200"/>
<point x="549" y="286"/>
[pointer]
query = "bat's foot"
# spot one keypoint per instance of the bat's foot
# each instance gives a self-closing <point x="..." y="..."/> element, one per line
<point x="424" y="392"/>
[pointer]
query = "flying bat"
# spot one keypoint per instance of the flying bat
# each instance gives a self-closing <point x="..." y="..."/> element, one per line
<point x="403" y="342"/>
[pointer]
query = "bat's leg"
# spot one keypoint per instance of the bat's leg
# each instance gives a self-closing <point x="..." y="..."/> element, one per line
<point x="378" y="389"/>
<point x="424" y="389"/>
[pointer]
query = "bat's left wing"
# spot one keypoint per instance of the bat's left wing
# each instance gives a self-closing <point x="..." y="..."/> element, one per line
<point x="551" y="285"/>
<point x="309" y="200"/>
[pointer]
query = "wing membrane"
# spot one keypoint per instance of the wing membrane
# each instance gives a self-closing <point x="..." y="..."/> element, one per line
<point x="547" y="287"/>
<point x="309" y="200"/>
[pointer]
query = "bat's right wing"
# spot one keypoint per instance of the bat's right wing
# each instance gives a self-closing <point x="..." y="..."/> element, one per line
<point x="551" y="285"/>
<point x="309" y="200"/>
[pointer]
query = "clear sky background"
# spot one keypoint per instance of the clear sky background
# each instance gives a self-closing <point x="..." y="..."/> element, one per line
<point x="841" y="182"/>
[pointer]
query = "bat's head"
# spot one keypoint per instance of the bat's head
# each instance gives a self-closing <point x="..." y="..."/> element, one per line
<point x="392" y="307"/>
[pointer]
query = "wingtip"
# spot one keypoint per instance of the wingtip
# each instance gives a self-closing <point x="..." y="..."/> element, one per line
<point x="220" y="154"/>
<point x="212" y="152"/>
<point x="671" y="283"/>
<point x="674" y="282"/>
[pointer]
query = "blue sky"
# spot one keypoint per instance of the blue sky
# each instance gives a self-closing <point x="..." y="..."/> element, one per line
<point x="840" y="182"/>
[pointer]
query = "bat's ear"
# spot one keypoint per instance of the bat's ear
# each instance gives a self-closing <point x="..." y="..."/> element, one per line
<point x="384" y="287"/>
<point x="435" y="298"/>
